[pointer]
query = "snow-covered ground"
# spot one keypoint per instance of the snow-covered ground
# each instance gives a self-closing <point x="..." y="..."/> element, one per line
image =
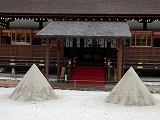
<point x="74" y="105"/>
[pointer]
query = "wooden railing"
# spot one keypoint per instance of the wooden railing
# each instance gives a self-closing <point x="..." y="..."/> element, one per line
<point x="141" y="52"/>
<point x="27" y="61"/>
<point x="143" y="67"/>
<point x="67" y="69"/>
<point x="142" y="63"/>
<point x="27" y="50"/>
<point x="111" y="70"/>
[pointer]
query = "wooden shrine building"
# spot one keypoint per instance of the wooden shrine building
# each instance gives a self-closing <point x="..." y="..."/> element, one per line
<point x="86" y="29"/>
<point x="55" y="34"/>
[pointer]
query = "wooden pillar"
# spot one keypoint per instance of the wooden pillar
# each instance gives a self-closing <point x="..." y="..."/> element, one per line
<point x="119" y="60"/>
<point x="152" y="43"/>
<point x="62" y="48"/>
<point x="58" y="65"/>
<point x="58" y="60"/>
<point x="0" y="41"/>
<point x="31" y="41"/>
<point x="47" y="59"/>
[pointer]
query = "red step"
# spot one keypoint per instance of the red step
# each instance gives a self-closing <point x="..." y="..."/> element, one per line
<point x="88" y="75"/>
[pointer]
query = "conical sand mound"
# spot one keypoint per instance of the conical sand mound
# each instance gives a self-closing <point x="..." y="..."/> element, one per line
<point x="130" y="91"/>
<point x="33" y="87"/>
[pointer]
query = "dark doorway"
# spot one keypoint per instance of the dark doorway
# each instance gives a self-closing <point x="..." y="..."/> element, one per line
<point x="89" y="49"/>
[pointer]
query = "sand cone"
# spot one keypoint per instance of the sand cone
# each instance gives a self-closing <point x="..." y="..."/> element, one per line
<point x="131" y="91"/>
<point x="33" y="87"/>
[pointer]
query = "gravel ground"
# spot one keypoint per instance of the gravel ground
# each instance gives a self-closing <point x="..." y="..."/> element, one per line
<point x="154" y="88"/>
<point x="152" y="83"/>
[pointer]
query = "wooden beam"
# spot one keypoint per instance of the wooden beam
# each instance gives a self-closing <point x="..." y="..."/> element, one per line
<point x="47" y="59"/>
<point x="113" y="44"/>
<point x="119" y="59"/>
<point x="57" y="40"/>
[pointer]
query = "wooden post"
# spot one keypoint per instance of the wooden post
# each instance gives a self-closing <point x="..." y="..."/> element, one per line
<point x="152" y="43"/>
<point x="119" y="60"/>
<point x="108" y="70"/>
<point x="58" y="65"/>
<point x="31" y="46"/>
<point x="47" y="59"/>
<point x="58" y="60"/>
<point x="62" y="48"/>
<point x="0" y="41"/>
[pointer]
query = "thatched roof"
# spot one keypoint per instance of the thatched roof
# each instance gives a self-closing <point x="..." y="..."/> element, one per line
<point x="135" y="7"/>
<point x="86" y="29"/>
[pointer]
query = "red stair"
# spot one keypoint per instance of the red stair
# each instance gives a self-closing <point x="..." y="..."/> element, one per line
<point x="88" y="75"/>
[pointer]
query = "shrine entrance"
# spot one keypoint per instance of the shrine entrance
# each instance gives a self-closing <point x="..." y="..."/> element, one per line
<point x="90" y="50"/>
<point x="90" y="33"/>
